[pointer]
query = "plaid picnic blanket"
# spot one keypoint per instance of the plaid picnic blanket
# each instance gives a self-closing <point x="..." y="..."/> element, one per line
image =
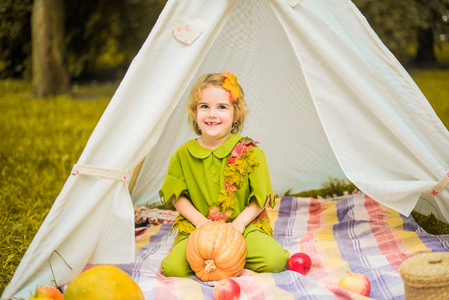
<point x="353" y="234"/>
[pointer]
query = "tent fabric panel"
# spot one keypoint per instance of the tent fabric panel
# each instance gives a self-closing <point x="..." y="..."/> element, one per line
<point x="377" y="120"/>
<point x="73" y="227"/>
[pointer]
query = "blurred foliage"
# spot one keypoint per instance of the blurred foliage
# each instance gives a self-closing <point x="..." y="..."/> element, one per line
<point x="399" y="22"/>
<point x="106" y="35"/>
<point x="102" y="37"/>
<point x="332" y="188"/>
<point x="430" y="223"/>
<point x="15" y="38"/>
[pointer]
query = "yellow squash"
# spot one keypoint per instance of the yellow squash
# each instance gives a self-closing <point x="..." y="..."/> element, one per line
<point x="103" y="282"/>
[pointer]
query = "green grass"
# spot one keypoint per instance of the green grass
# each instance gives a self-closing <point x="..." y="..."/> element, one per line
<point x="435" y="86"/>
<point x="430" y="223"/>
<point x="43" y="139"/>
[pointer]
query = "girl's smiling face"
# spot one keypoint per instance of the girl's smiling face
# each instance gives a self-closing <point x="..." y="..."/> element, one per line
<point x="215" y="115"/>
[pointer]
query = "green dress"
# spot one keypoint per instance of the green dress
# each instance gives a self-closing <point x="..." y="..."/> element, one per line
<point x="206" y="178"/>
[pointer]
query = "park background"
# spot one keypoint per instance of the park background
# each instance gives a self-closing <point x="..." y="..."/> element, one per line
<point x="61" y="61"/>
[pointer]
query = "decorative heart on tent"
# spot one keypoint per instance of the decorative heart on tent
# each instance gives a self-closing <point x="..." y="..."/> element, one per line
<point x="187" y="32"/>
<point x="292" y="3"/>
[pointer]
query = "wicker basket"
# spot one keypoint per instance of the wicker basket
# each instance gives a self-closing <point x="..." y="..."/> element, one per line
<point x="426" y="276"/>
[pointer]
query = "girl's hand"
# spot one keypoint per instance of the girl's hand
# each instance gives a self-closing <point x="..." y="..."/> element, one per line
<point x="247" y="215"/>
<point x="240" y="228"/>
<point x="202" y="223"/>
<point x="186" y="208"/>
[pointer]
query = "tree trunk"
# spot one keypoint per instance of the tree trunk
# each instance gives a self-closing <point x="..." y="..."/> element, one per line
<point x="426" y="51"/>
<point x="50" y="76"/>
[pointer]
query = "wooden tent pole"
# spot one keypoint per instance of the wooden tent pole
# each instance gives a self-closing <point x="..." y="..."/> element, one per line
<point x="133" y="180"/>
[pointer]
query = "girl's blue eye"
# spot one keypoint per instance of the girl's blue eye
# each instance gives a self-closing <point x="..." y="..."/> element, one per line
<point x="204" y="106"/>
<point x="222" y="107"/>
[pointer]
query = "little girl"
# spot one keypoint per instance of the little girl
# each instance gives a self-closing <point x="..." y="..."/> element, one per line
<point x="220" y="177"/>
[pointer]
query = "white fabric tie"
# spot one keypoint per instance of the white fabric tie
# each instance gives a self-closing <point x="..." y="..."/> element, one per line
<point x="440" y="185"/>
<point x="97" y="171"/>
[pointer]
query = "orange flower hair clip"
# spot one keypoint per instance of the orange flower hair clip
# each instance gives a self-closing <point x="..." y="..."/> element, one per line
<point x="231" y="85"/>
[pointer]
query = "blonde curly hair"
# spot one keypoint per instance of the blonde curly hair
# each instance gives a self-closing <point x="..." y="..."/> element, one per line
<point x="216" y="80"/>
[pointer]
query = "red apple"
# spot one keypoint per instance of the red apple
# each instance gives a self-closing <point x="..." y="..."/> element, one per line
<point x="299" y="262"/>
<point x="226" y="289"/>
<point x="49" y="292"/>
<point x="357" y="283"/>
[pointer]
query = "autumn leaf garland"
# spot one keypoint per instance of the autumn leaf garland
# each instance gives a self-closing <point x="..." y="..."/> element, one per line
<point x="184" y="225"/>
<point x="241" y="163"/>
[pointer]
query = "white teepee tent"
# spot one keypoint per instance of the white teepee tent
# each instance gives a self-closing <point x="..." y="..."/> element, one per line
<point x="327" y="98"/>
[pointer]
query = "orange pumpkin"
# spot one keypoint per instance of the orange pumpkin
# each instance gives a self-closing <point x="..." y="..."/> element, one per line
<point x="103" y="282"/>
<point x="216" y="251"/>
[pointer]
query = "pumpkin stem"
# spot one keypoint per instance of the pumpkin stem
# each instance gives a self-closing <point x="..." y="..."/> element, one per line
<point x="209" y="265"/>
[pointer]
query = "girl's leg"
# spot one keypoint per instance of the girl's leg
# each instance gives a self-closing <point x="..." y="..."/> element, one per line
<point x="176" y="264"/>
<point x="264" y="253"/>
